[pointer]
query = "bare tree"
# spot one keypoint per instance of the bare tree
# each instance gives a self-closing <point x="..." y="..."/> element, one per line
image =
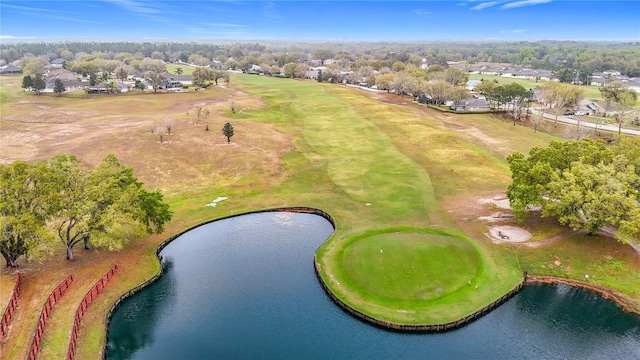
<point x="438" y="91"/>
<point x="322" y="54"/>
<point x="620" y="97"/>
<point x="219" y="74"/>
<point x="578" y="132"/>
<point x="161" y="131"/>
<point x="455" y="76"/>
<point x="536" y="121"/>
<point x="560" y="96"/>
<point x="155" y="79"/>
<point x="458" y="95"/>
<point x="198" y="114"/>
<point x="168" y="124"/>
<point x="402" y="83"/>
<point x="154" y="72"/>
<point x="202" y="75"/>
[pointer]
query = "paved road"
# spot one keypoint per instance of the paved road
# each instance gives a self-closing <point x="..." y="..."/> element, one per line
<point x="596" y="126"/>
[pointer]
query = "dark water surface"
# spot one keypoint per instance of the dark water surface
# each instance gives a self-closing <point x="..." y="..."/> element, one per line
<point x="244" y="288"/>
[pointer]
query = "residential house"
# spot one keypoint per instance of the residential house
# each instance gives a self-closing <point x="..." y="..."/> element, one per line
<point x="546" y="75"/>
<point x="598" y="79"/>
<point x="474" y="70"/>
<point x="587" y="108"/>
<point x="58" y="63"/>
<point x="605" y="77"/>
<point x="10" y="69"/>
<point x="313" y="72"/>
<point x="490" y="70"/>
<point x="109" y="86"/>
<point x="633" y="83"/>
<point x="182" y="78"/>
<point x="171" y="84"/>
<point x="71" y="81"/>
<point x="472" y="105"/>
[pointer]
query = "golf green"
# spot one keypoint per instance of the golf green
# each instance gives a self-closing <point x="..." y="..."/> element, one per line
<point x="410" y="266"/>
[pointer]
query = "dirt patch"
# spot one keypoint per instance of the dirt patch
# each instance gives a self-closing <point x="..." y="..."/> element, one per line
<point x="508" y="233"/>
<point x="499" y="201"/>
<point x="94" y="127"/>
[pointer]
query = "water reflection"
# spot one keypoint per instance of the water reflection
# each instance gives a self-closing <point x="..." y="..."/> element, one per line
<point x="245" y="288"/>
<point x="142" y="313"/>
<point x="570" y="307"/>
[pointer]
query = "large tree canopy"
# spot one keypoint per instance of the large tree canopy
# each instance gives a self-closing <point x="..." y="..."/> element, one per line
<point x="583" y="184"/>
<point x="105" y="205"/>
<point x="25" y="204"/>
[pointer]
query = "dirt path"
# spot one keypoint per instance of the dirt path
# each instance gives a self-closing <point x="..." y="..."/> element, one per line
<point x="549" y="241"/>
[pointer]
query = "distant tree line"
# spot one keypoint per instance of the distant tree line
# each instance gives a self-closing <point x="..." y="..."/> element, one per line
<point x="580" y="57"/>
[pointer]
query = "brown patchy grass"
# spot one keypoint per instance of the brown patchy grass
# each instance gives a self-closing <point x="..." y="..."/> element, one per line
<point x="39" y="127"/>
<point x="191" y="158"/>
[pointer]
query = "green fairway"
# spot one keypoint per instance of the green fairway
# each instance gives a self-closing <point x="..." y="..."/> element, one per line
<point x="376" y="176"/>
<point x="186" y="68"/>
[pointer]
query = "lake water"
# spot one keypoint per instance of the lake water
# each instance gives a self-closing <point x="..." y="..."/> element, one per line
<point x="245" y="288"/>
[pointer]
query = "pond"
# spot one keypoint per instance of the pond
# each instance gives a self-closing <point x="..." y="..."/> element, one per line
<point x="245" y="288"/>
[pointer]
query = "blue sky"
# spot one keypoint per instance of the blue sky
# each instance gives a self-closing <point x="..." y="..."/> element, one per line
<point x="480" y="20"/>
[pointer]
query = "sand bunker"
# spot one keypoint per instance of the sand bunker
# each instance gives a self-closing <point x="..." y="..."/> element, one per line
<point x="508" y="233"/>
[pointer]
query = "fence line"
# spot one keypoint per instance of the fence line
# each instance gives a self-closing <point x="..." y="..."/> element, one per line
<point x="44" y="315"/>
<point x="8" y="312"/>
<point x="426" y="327"/>
<point x="86" y="301"/>
<point x="163" y="244"/>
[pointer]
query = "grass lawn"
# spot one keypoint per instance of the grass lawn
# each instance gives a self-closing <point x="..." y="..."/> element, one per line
<point x="421" y="274"/>
<point x="409" y="265"/>
<point x="387" y="170"/>
<point x="10" y="88"/>
<point x="186" y="68"/>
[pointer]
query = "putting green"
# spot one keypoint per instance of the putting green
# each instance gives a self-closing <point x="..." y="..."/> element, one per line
<point x="410" y="266"/>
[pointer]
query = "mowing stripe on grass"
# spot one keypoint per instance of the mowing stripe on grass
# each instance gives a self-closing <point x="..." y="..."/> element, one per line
<point x="362" y="160"/>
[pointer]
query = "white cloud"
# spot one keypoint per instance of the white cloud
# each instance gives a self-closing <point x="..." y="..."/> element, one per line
<point x="153" y="11"/>
<point x="270" y="12"/>
<point x="139" y="7"/>
<point x="226" y="25"/>
<point x="11" y="37"/>
<point x="51" y="14"/>
<point x="517" y="4"/>
<point x="421" y="12"/>
<point x="485" y="5"/>
<point x="504" y="4"/>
